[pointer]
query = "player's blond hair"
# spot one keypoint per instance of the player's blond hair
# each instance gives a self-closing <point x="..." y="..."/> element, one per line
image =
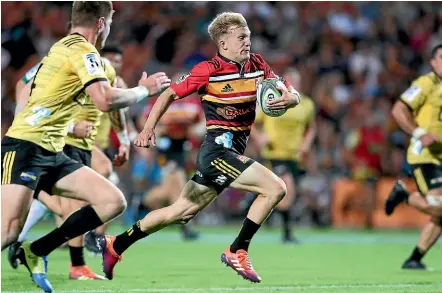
<point x="223" y="22"/>
<point x="86" y="13"/>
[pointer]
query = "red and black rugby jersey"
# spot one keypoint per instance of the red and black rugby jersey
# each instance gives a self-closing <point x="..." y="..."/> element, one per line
<point x="228" y="93"/>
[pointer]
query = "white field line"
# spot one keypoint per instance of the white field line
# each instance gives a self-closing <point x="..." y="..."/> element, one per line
<point x="244" y="289"/>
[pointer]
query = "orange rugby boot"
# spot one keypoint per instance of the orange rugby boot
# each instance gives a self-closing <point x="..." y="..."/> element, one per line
<point x="110" y="257"/>
<point x="83" y="273"/>
<point x="240" y="263"/>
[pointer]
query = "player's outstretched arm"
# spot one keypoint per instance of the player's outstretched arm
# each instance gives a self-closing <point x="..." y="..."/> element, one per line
<point x="22" y="95"/>
<point x="108" y="98"/>
<point x="404" y="118"/>
<point x="159" y="108"/>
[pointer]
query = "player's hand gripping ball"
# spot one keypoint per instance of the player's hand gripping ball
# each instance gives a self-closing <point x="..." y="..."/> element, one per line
<point x="267" y="90"/>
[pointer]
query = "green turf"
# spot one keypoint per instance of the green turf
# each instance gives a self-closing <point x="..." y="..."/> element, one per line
<point x="327" y="261"/>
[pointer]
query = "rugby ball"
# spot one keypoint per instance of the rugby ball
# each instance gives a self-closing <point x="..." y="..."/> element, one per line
<point x="266" y="90"/>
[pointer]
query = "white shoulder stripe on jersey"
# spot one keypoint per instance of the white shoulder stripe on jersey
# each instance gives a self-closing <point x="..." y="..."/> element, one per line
<point x="236" y="75"/>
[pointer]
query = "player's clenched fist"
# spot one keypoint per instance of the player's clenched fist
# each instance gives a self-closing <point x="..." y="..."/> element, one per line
<point x="155" y="83"/>
<point x="145" y="139"/>
<point x="83" y="129"/>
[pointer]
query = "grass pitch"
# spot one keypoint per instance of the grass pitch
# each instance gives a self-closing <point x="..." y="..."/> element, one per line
<point x="327" y="261"/>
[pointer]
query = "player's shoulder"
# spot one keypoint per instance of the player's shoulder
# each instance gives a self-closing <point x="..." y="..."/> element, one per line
<point x="257" y="59"/>
<point x="76" y="43"/>
<point x="207" y="67"/>
<point x="427" y="80"/>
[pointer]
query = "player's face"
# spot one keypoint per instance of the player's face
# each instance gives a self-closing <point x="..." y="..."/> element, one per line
<point x="237" y="44"/>
<point x="116" y="60"/>
<point x="105" y="25"/>
<point x="436" y="62"/>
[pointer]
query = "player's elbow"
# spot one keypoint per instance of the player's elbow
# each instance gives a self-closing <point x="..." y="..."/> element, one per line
<point x="18" y="88"/>
<point x="101" y="95"/>
<point x="103" y="105"/>
<point x="397" y="110"/>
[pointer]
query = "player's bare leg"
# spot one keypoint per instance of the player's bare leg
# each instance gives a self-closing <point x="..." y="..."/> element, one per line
<point x="51" y="202"/>
<point x="194" y="197"/>
<point x="16" y="200"/>
<point x="399" y="194"/>
<point x="101" y="164"/>
<point x="105" y="203"/>
<point x="284" y="206"/>
<point x="78" y="268"/>
<point x="167" y="193"/>
<point x="38" y="210"/>
<point x="430" y="205"/>
<point x="271" y="190"/>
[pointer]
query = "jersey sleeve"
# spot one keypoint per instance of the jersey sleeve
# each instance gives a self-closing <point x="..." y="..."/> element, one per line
<point x="30" y="74"/>
<point x="86" y="63"/>
<point x="414" y="97"/>
<point x="110" y="72"/>
<point x="196" y="80"/>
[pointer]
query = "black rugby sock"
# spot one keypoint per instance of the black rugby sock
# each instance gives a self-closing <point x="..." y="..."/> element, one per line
<point x="77" y="256"/>
<point x="248" y="230"/>
<point x="285" y="214"/>
<point x="126" y="239"/>
<point x="78" y="223"/>
<point x="417" y="254"/>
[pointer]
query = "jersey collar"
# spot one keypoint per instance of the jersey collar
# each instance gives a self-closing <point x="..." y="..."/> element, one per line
<point x="78" y="35"/>
<point x="231" y="61"/>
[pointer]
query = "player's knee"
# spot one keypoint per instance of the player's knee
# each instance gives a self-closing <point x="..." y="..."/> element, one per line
<point x="180" y="213"/>
<point x="104" y="168"/>
<point x="278" y="190"/>
<point x="117" y="201"/>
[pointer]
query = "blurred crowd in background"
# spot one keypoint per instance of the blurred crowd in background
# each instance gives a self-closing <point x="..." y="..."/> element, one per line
<point x="354" y="60"/>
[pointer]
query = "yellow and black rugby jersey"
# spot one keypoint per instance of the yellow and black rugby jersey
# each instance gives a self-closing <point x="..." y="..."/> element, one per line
<point x="90" y="112"/>
<point x="424" y="98"/>
<point x="286" y="132"/>
<point x="228" y="93"/>
<point x="57" y="90"/>
<point x="103" y="140"/>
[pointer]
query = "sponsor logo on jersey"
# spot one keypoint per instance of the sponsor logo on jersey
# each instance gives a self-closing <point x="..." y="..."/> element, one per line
<point x="227" y="89"/>
<point x="230" y="112"/>
<point x="221" y="179"/>
<point x="411" y="93"/>
<point x="243" y="159"/>
<point x="225" y="140"/>
<point x="28" y="176"/>
<point x="92" y="64"/>
<point x="182" y="78"/>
